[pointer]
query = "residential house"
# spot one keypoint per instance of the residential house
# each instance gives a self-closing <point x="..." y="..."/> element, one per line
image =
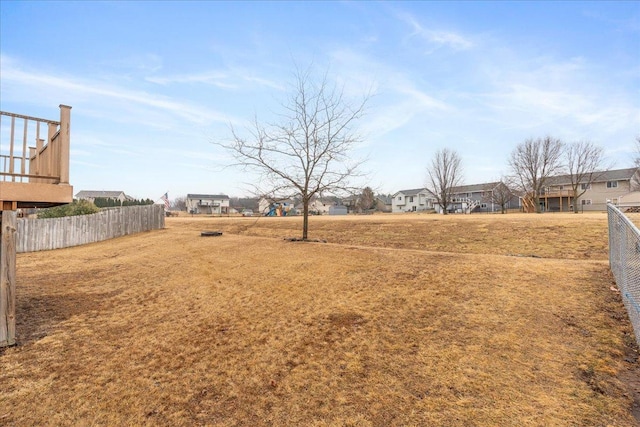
<point x="320" y="205"/>
<point x="606" y="186"/>
<point x="415" y="200"/>
<point x="213" y="204"/>
<point x="476" y="198"/>
<point x="91" y="196"/>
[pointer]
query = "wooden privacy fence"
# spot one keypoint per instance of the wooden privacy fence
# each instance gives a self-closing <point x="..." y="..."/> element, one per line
<point x="56" y="233"/>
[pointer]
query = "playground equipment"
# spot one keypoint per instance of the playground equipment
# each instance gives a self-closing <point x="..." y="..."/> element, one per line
<point x="280" y="209"/>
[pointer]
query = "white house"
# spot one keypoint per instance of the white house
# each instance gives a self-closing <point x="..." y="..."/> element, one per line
<point x="214" y="204"/>
<point x="91" y="196"/>
<point x="415" y="200"/>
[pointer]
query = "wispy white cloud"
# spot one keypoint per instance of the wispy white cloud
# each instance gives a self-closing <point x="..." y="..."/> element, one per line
<point x="230" y="79"/>
<point x="215" y="78"/>
<point x="145" y="62"/>
<point x="12" y="73"/>
<point x="433" y="38"/>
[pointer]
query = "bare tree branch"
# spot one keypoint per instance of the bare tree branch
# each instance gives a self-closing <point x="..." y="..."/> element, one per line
<point x="500" y="193"/>
<point x="308" y="152"/>
<point x="533" y="162"/>
<point x="444" y="173"/>
<point x="584" y="165"/>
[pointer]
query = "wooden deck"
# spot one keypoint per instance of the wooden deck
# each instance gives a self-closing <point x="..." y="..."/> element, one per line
<point x="34" y="161"/>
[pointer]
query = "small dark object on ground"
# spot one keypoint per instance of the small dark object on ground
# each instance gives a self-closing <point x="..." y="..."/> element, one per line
<point x="211" y="233"/>
<point x="298" y="239"/>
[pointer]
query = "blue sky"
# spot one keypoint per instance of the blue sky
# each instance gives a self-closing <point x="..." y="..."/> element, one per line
<point x="152" y="84"/>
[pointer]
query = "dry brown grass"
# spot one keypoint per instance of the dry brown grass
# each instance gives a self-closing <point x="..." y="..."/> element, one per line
<point x="409" y="320"/>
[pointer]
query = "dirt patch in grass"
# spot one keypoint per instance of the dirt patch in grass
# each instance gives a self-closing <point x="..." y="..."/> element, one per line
<point x="168" y="328"/>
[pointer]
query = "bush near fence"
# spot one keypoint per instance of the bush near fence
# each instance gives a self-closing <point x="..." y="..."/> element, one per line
<point x="56" y="233"/>
<point x="624" y="259"/>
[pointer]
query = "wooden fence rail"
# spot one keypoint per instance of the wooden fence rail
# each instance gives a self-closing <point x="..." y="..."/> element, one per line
<point x="56" y="233"/>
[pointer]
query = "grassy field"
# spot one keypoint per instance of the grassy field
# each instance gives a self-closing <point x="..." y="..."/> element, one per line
<point x="410" y="320"/>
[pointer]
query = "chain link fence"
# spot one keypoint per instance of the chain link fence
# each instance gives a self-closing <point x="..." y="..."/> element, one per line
<point x="624" y="259"/>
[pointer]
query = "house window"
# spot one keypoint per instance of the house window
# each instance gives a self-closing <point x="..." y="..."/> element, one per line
<point x="612" y="184"/>
<point x="585" y="187"/>
<point x="561" y="187"/>
<point x="411" y="199"/>
<point x="483" y="205"/>
<point x="586" y="201"/>
<point x="399" y="197"/>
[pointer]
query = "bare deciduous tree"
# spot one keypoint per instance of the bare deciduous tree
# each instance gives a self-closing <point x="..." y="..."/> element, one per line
<point x="444" y="173"/>
<point x="637" y="159"/>
<point x="308" y="152"/>
<point x="179" y="203"/>
<point x="533" y="162"/>
<point x="500" y="193"/>
<point x="366" y="200"/>
<point x="584" y="166"/>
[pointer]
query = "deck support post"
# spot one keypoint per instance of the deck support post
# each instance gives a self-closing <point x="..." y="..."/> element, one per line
<point x="8" y="278"/>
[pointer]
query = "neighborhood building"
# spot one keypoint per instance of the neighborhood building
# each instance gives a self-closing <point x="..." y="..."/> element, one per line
<point x="213" y="204"/>
<point x="320" y="205"/>
<point x="477" y="198"/>
<point x="416" y="200"/>
<point x="607" y="186"/>
<point x="466" y="199"/>
<point x="619" y="186"/>
<point x="91" y="196"/>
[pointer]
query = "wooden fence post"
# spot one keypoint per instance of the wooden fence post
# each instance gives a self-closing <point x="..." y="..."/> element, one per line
<point x="8" y="278"/>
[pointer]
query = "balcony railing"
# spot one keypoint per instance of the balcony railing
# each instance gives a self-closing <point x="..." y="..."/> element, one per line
<point x="556" y="193"/>
<point x="34" y="150"/>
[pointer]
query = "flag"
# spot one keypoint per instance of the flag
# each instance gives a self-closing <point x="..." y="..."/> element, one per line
<point x="165" y="199"/>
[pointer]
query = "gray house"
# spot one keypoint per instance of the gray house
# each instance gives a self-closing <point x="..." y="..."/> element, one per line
<point x="477" y="198"/>
<point x="213" y="204"/>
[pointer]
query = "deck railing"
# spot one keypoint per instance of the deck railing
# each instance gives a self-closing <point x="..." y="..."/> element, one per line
<point x="35" y="150"/>
<point x="551" y="192"/>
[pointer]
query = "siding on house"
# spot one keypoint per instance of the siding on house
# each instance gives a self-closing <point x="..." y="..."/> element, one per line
<point x="476" y="198"/>
<point x="213" y="204"/>
<point x="415" y="200"/>
<point x="607" y="186"/>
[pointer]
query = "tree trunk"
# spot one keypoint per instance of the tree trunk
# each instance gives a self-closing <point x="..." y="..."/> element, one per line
<point x="575" y="202"/>
<point x="305" y="218"/>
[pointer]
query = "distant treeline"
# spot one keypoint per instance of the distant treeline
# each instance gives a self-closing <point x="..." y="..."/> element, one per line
<point x="85" y="207"/>
<point x="103" y="202"/>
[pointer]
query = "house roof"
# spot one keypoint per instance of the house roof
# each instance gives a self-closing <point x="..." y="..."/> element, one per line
<point x="412" y="192"/>
<point x="602" y="176"/>
<point x="384" y="199"/>
<point x="208" y="196"/>
<point x="474" y="188"/>
<point x="103" y="194"/>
